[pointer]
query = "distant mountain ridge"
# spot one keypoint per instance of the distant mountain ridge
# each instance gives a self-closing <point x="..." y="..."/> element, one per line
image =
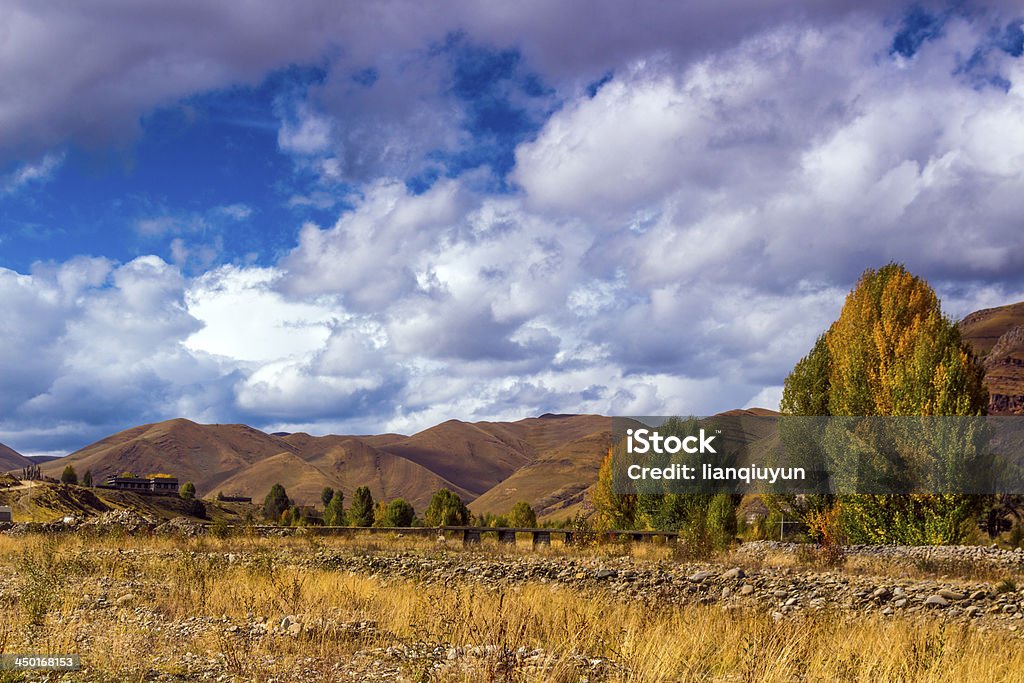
<point x="467" y="458"/>
<point x="11" y="459"/>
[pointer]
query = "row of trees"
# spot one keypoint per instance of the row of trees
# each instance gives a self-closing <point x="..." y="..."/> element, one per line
<point x="445" y="509"/>
<point x="891" y="352"/>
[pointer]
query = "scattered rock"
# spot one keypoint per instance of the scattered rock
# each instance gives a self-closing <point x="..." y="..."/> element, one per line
<point x="950" y="594"/>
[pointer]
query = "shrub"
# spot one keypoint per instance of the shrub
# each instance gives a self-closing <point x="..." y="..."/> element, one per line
<point x="187" y="490"/>
<point x="326" y="495"/>
<point x="522" y="515"/>
<point x="400" y="513"/>
<point x="275" y="503"/>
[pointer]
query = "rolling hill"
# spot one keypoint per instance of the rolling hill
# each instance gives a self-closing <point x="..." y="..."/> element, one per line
<point x="10" y="459"/>
<point x="997" y="336"/>
<point x="467" y="458"/>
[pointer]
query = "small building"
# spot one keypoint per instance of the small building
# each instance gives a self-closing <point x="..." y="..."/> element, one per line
<point x="162" y="485"/>
<point x="5" y="514"/>
<point x="235" y="499"/>
<point x="129" y="483"/>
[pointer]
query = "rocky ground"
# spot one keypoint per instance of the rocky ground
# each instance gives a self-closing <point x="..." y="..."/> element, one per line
<point x="752" y="579"/>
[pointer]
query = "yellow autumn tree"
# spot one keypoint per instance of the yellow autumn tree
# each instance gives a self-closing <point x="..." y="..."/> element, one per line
<point x="611" y="510"/>
<point x="892" y="352"/>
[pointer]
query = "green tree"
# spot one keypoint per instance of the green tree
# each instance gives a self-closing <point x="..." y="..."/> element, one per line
<point x="87" y="478"/>
<point x="334" y="513"/>
<point x="276" y="503"/>
<point x="892" y="352"/>
<point x="187" y="490"/>
<point x="69" y="476"/>
<point x="611" y="510"/>
<point x="399" y="513"/>
<point x="522" y="515"/>
<point x="361" y="512"/>
<point x="806" y="391"/>
<point x="326" y="495"/>
<point x="446" y="509"/>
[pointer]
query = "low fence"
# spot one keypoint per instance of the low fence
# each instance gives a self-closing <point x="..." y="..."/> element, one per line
<point x="473" y="535"/>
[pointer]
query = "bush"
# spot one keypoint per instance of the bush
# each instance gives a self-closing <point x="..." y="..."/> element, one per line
<point x="522" y="515"/>
<point x="721" y="520"/>
<point x="398" y="513"/>
<point x="326" y="495"/>
<point x="195" y="508"/>
<point x="275" y="503"/>
<point x="187" y="490"/>
<point x="69" y="476"/>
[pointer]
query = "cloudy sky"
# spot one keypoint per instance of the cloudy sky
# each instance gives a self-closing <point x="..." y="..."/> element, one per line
<point x="358" y="217"/>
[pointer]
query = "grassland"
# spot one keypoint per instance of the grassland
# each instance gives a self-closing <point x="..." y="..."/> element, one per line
<point x="258" y="609"/>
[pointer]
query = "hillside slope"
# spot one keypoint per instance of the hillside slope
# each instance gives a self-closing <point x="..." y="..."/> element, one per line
<point x="478" y="456"/>
<point x="467" y="458"/>
<point x="997" y="336"/>
<point x="10" y="459"/>
<point x="206" y="455"/>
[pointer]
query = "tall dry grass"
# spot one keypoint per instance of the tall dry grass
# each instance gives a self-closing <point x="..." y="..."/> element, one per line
<point x="175" y="604"/>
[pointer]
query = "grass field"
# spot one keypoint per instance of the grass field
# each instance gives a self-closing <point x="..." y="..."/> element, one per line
<point x="253" y="609"/>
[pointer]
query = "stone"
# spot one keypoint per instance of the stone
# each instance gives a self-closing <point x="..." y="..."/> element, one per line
<point x="901" y="603"/>
<point x="881" y="594"/>
<point x="734" y="573"/>
<point x="936" y="601"/>
<point x="700" y="576"/>
<point x="746" y="589"/>
<point x="604" y="574"/>
<point x="950" y="594"/>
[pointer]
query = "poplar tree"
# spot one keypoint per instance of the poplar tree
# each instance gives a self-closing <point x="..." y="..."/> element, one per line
<point x="892" y="352"/>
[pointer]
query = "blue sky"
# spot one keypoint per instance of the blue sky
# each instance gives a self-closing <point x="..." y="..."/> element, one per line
<point x="351" y="219"/>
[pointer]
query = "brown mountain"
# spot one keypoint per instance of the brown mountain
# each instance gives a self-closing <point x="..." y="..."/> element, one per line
<point x="10" y="459"/>
<point x="479" y="456"/>
<point x="467" y="458"/>
<point x="554" y="483"/>
<point x="203" y="454"/>
<point x="997" y="336"/>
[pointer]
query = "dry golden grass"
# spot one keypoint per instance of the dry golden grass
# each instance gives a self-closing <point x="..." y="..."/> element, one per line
<point x="185" y="596"/>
